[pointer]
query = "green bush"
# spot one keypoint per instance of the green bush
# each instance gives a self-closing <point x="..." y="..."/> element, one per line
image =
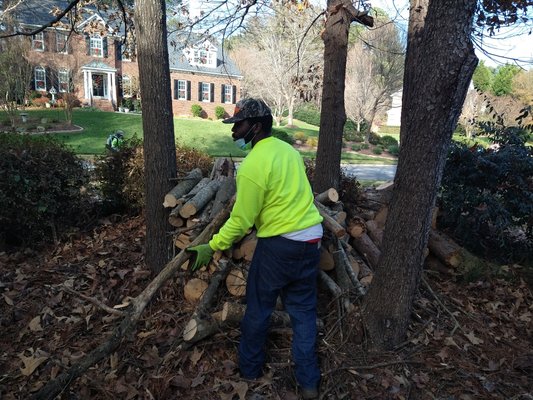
<point x="196" y="110"/>
<point x="301" y="136"/>
<point x="387" y="141"/>
<point x="282" y="135"/>
<point x="111" y="172"/>
<point x="365" y="146"/>
<point x="41" y="189"/>
<point x="374" y="138"/>
<point x="486" y="196"/>
<point x="393" y="149"/>
<point x="356" y="147"/>
<point x="377" y="150"/>
<point x="312" y="141"/>
<point x="309" y="114"/>
<point x="220" y="112"/>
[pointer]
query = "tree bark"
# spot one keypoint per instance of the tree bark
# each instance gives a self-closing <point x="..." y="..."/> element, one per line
<point x="158" y="126"/>
<point x="439" y="65"/>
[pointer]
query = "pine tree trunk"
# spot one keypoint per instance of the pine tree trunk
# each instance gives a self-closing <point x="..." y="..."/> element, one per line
<point x="158" y="126"/>
<point x="439" y="65"/>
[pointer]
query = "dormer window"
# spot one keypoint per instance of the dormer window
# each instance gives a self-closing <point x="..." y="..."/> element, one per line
<point x="202" y="55"/>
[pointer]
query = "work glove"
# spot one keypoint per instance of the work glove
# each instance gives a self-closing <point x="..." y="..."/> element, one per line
<point x="204" y="253"/>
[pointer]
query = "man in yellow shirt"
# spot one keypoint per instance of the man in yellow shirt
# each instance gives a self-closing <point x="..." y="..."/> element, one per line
<point x="274" y="195"/>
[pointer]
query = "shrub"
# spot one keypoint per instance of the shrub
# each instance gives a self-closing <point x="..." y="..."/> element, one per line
<point x="377" y="150"/>
<point x="393" y="149"/>
<point x="299" y="135"/>
<point x="40" y="101"/>
<point x="356" y="147"/>
<point x="196" y="110"/>
<point x="111" y="172"/>
<point x="220" y="112"/>
<point x="41" y="189"/>
<point x="486" y="196"/>
<point x="309" y="114"/>
<point x="373" y="138"/>
<point x="125" y="193"/>
<point x="312" y="141"/>
<point x="365" y="146"/>
<point x="387" y="141"/>
<point x="282" y="135"/>
<point x="127" y="102"/>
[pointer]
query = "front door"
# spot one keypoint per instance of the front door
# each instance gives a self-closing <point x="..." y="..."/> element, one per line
<point x="99" y="85"/>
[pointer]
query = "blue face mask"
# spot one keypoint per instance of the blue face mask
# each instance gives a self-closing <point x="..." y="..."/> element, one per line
<point x="244" y="143"/>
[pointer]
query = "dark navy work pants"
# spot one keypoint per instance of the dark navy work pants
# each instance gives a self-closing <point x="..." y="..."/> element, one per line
<point x="289" y="269"/>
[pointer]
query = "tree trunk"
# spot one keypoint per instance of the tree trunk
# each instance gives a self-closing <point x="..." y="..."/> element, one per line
<point x="158" y="126"/>
<point x="439" y="65"/>
<point x="332" y="114"/>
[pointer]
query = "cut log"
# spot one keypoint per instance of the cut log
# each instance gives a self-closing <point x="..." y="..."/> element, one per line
<point x="236" y="282"/>
<point x="224" y="194"/>
<point x="356" y="227"/>
<point x="246" y="247"/>
<point x="344" y="261"/>
<point x="222" y="167"/>
<point x="232" y="313"/>
<point x="366" y="247"/>
<point x="326" y="263"/>
<point x="176" y="221"/>
<point x="194" y="289"/>
<point x="340" y="217"/>
<point x="198" y="329"/>
<point x="200" y="199"/>
<point x="335" y="291"/>
<point x="329" y="222"/>
<point x="182" y="188"/>
<point x="182" y="241"/>
<point x="330" y="196"/>
<point x="445" y="249"/>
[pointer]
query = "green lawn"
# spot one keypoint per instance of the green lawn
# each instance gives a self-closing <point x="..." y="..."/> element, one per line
<point x="213" y="137"/>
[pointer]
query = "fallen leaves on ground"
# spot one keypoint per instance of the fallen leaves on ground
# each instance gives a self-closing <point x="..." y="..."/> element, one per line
<point x="52" y="315"/>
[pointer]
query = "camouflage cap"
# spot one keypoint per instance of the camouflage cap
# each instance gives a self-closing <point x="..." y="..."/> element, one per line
<point x="248" y="108"/>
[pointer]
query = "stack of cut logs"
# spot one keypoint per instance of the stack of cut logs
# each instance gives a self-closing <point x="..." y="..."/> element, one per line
<point x="349" y="252"/>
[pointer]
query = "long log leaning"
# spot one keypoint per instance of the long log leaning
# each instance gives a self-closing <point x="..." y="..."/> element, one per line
<point x="182" y="188"/>
<point x="224" y="194"/>
<point x="367" y="248"/>
<point x="200" y="325"/>
<point x="359" y="288"/>
<point x="329" y="222"/>
<point x="54" y="387"/>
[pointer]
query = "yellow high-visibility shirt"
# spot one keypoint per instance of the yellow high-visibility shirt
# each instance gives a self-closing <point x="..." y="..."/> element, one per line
<point x="273" y="193"/>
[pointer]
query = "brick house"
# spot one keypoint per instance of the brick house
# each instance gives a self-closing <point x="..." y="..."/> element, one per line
<point x="94" y="62"/>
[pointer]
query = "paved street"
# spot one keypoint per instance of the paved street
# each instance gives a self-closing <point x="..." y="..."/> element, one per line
<point x="370" y="171"/>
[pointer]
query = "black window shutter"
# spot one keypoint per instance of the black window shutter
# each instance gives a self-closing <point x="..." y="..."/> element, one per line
<point x="104" y="44"/>
<point x="199" y="91"/>
<point x="88" y="44"/>
<point x="176" y="89"/>
<point x="234" y="94"/>
<point x="212" y="93"/>
<point x="222" y="93"/>
<point x="188" y="90"/>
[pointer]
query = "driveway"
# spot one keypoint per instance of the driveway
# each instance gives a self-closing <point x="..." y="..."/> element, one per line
<point x="370" y="172"/>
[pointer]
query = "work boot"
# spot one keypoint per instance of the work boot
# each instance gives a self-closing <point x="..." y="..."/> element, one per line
<point x="309" y="394"/>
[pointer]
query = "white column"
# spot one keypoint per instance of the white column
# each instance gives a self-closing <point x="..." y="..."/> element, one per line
<point x="90" y="86"/>
<point x="113" y="88"/>
<point x="85" y="85"/>
<point x="109" y="95"/>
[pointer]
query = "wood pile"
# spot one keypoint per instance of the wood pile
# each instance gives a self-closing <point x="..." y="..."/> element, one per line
<point x="350" y="249"/>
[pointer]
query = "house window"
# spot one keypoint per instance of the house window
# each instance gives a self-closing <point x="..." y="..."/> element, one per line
<point x="61" y="42"/>
<point x="205" y="92"/>
<point x="96" y="47"/>
<point x="228" y="94"/>
<point x="99" y="85"/>
<point x="181" y="90"/>
<point x="204" y="57"/>
<point x="63" y="77"/>
<point x="127" y="89"/>
<point x="37" y="41"/>
<point x="40" y="78"/>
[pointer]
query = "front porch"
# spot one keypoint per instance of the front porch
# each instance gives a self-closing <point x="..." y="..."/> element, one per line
<point x="100" y="86"/>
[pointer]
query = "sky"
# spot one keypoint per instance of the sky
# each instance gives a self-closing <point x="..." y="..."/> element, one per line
<point x="508" y="43"/>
